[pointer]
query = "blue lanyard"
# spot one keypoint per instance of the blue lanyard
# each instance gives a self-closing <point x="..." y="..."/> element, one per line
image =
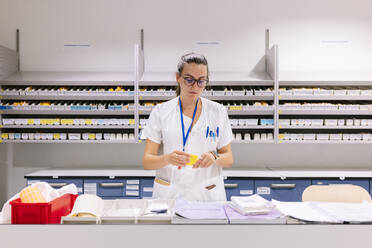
<point x="184" y="138"/>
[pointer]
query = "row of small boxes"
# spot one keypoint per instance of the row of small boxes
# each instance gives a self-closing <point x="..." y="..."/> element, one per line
<point x="255" y="137"/>
<point x="80" y="122"/>
<point x="251" y="122"/>
<point x="324" y="106"/>
<point x="254" y="106"/>
<point x="64" y="106"/>
<point x="63" y="91"/>
<point x="325" y="136"/>
<point x="67" y="136"/>
<point x="324" y="92"/>
<point x="225" y="92"/>
<point x="325" y="122"/>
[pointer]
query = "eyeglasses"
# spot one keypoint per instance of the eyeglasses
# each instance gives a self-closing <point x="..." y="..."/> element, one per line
<point x="190" y="81"/>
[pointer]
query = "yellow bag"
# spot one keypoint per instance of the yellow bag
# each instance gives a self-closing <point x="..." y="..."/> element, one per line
<point x="31" y="194"/>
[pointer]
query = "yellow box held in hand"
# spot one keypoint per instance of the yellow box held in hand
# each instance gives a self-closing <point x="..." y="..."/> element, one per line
<point x="193" y="159"/>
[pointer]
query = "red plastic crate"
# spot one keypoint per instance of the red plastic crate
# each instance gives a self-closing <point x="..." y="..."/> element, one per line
<point x="42" y="213"/>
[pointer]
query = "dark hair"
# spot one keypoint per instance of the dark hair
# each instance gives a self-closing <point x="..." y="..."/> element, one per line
<point x="191" y="58"/>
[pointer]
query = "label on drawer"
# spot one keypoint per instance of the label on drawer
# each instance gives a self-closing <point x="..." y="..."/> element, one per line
<point x="29" y="182"/>
<point x="263" y="190"/>
<point x="132" y="193"/>
<point x="132" y="181"/>
<point x="246" y="192"/>
<point x="132" y="187"/>
<point x="90" y="188"/>
<point x="148" y="189"/>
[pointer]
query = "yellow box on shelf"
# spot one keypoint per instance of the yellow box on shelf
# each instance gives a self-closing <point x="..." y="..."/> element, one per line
<point x="281" y="136"/>
<point x="56" y="136"/>
<point x="30" y="121"/>
<point x="44" y="121"/>
<point x="4" y="135"/>
<point x="88" y="122"/>
<point x="50" y="122"/>
<point x="91" y="136"/>
<point x="132" y="122"/>
<point x="236" y="108"/>
<point x="67" y="122"/>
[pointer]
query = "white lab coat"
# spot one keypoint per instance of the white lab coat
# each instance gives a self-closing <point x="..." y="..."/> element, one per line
<point x="164" y="126"/>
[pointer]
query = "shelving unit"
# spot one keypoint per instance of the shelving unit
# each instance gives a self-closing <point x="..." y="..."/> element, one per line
<point x="69" y="96"/>
<point x="345" y="99"/>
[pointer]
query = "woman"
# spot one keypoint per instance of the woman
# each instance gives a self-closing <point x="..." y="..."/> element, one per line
<point x="189" y="125"/>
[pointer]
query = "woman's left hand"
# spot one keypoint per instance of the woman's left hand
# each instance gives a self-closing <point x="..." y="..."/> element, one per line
<point x="204" y="161"/>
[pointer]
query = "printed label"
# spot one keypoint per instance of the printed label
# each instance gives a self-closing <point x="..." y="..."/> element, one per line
<point x="132" y="193"/>
<point x="132" y="187"/>
<point x="29" y="182"/>
<point x="263" y="190"/>
<point x="246" y="192"/>
<point x="148" y="189"/>
<point x="132" y="181"/>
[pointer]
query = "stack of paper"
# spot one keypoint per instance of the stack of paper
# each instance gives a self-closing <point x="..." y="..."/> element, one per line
<point x="192" y="212"/>
<point x="326" y="212"/>
<point x="251" y="205"/>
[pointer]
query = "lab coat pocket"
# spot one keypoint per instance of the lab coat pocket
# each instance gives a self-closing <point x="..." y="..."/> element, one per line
<point x="162" y="189"/>
<point x="214" y="190"/>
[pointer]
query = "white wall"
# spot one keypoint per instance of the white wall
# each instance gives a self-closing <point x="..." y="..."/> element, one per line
<point x="312" y="35"/>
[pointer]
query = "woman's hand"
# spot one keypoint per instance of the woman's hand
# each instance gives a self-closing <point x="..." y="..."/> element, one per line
<point x="205" y="160"/>
<point x="178" y="158"/>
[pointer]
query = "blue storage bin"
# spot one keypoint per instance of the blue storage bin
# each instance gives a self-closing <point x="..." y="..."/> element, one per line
<point x="281" y="190"/>
<point x="147" y="187"/>
<point x="364" y="183"/>
<point x="238" y="187"/>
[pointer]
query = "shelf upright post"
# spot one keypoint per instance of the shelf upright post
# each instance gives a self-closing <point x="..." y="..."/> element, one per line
<point x="276" y="94"/>
<point x="136" y="89"/>
<point x="17" y="49"/>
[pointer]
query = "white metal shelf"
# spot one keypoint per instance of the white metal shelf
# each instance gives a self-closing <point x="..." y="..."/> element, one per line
<point x="230" y="112"/>
<point x="216" y="79"/>
<point x="250" y="112"/>
<point x="324" y="142"/>
<point x="67" y="127"/>
<point x="67" y="112"/>
<point x="324" y="112"/>
<point x="67" y="98"/>
<point x="253" y="142"/>
<point x="327" y="98"/>
<point x="71" y="141"/>
<point x="70" y="78"/>
<point x="336" y="78"/>
<point x="214" y="98"/>
<point x="326" y="127"/>
<point x="253" y="127"/>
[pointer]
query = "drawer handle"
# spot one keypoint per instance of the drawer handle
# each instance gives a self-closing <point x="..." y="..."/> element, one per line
<point x="116" y="185"/>
<point x="283" y="186"/>
<point x="231" y="185"/>
<point x="57" y="185"/>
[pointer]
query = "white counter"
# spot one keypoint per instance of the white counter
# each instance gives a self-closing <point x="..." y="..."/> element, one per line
<point x="188" y="236"/>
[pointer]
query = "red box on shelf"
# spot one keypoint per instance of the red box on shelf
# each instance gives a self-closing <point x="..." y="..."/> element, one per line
<point x="42" y="213"/>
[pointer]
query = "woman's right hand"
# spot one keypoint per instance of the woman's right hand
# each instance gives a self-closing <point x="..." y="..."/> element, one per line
<point x="178" y="158"/>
